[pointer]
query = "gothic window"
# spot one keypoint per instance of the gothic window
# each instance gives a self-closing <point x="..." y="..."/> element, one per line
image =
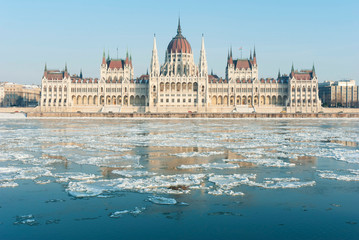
<point x="154" y="88"/>
<point x="162" y="86"/>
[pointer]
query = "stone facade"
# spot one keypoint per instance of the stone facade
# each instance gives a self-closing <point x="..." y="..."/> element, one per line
<point x="180" y="86"/>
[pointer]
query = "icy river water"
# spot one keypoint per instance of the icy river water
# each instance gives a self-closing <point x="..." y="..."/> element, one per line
<point x="179" y="179"/>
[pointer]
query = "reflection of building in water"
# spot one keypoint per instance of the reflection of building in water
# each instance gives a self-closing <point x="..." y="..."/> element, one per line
<point x="180" y="85"/>
<point x="305" y="160"/>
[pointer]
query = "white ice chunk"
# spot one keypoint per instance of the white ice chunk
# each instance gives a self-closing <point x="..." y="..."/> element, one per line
<point x="197" y="154"/>
<point x="8" y="184"/>
<point x="129" y="173"/>
<point x="210" y="166"/>
<point x="162" y="200"/>
<point x="264" y="162"/>
<point x="82" y="189"/>
<point x="341" y="177"/>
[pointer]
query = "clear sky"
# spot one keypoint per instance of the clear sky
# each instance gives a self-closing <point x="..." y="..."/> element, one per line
<point x="303" y="32"/>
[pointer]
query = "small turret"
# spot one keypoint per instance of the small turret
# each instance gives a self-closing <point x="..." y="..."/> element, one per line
<point x="254" y="56"/>
<point x="103" y="58"/>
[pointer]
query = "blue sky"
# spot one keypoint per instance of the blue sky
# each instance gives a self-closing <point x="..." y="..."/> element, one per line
<point x="76" y="32"/>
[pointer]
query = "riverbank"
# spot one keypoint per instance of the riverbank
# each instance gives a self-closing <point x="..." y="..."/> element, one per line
<point x="191" y="115"/>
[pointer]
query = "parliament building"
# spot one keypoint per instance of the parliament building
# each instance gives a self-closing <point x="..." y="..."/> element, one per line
<point x="180" y="85"/>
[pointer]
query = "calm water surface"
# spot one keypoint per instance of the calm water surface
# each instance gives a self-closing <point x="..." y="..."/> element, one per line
<point x="179" y="179"/>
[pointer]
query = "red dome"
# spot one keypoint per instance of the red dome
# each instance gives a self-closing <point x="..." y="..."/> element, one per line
<point x="179" y="43"/>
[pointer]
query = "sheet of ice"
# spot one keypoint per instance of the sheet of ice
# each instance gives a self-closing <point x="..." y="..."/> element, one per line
<point x="162" y="200"/>
<point x="80" y="176"/>
<point x="26" y="219"/>
<point x="274" y="183"/>
<point x="219" y="192"/>
<point x="8" y="184"/>
<point x="263" y="162"/>
<point x="328" y="174"/>
<point x="231" y="181"/>
<point x="210" y="166"/>
<point x="136" y="211"/>
<point x="84" y="189"/>
<point x="197" y="154"/>
<point x="129" y="173"/>
<point x="127" y="161"/>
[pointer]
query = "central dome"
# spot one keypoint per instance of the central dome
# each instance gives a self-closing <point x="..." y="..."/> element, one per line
<point x="179" y="43"/>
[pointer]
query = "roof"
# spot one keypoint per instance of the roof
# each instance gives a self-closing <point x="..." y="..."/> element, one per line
<point x="179" y="43"/>
<point x="116" y="63"/>
<point x="303" y="75"/>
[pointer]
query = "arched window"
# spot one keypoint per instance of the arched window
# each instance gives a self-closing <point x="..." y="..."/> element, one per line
<point x="154" y="88"/>
<point x="195" y="87"/>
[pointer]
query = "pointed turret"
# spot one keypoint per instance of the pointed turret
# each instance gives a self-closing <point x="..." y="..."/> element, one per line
<point x="65" y="67"/>
<point x="292" y="70"/>
<point x="45" y="67"/>
<point x="230" y="59"/>
<point x="250" y="54"/>
<point x="155" y="67"/>
<point x="313" y="70"/>
<point x="127" y="61"/>
<point x="103" y="57"/>
<point x="81" y="73"/>
<point x="130" y="60"/>
<point x="203" y="60"/>
<point x="254" y="56"/>
<point x="279" y="74"/>
<point x="179" y="30"/>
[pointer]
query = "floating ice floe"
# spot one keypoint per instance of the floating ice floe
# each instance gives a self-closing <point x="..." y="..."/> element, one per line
<point x="210" y="166"/>
<point x="225" y="192"/>
<point x="162" y="200"/>
<point x="274" y="183"/>
<point x="129" y="173"/>
<point x="26" y="219"/>
<point x="164" y="184"/>
<point x="79" y="176"/>
<point x="263" y="162"/>
<point x="347" y="177"/>
<point x="231" y="181"/>
<point x="197" y="154"/>
<point x="8" y="184"/>
<point x="83" y="189"/>
<point x="126" y="161"/>
<point x="133" y="212"/>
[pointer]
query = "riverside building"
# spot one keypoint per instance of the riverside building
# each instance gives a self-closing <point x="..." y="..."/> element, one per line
<point x="180" y="86"/>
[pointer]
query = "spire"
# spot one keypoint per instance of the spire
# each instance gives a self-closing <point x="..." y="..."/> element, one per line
<point x="313" y="69"/>
<point x="203" y="60"/>
<point x="292" y="71"/>
<point x="104" y="57"/>
<point x="127" y="62"/>
<point x="81" y="73"/>
<point x="212" y="71"/>
<point x="179" y="30"/>
<point x="254" y="55"/>
<point x="279" y="74"/>
<point x="250" y="54"/>
<point x="65" y="67"/>
<point x="45" y="67"/>
<point x="155" y="67"/>
<point x="231" y="52"/>
<point x="108" y="55"/>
